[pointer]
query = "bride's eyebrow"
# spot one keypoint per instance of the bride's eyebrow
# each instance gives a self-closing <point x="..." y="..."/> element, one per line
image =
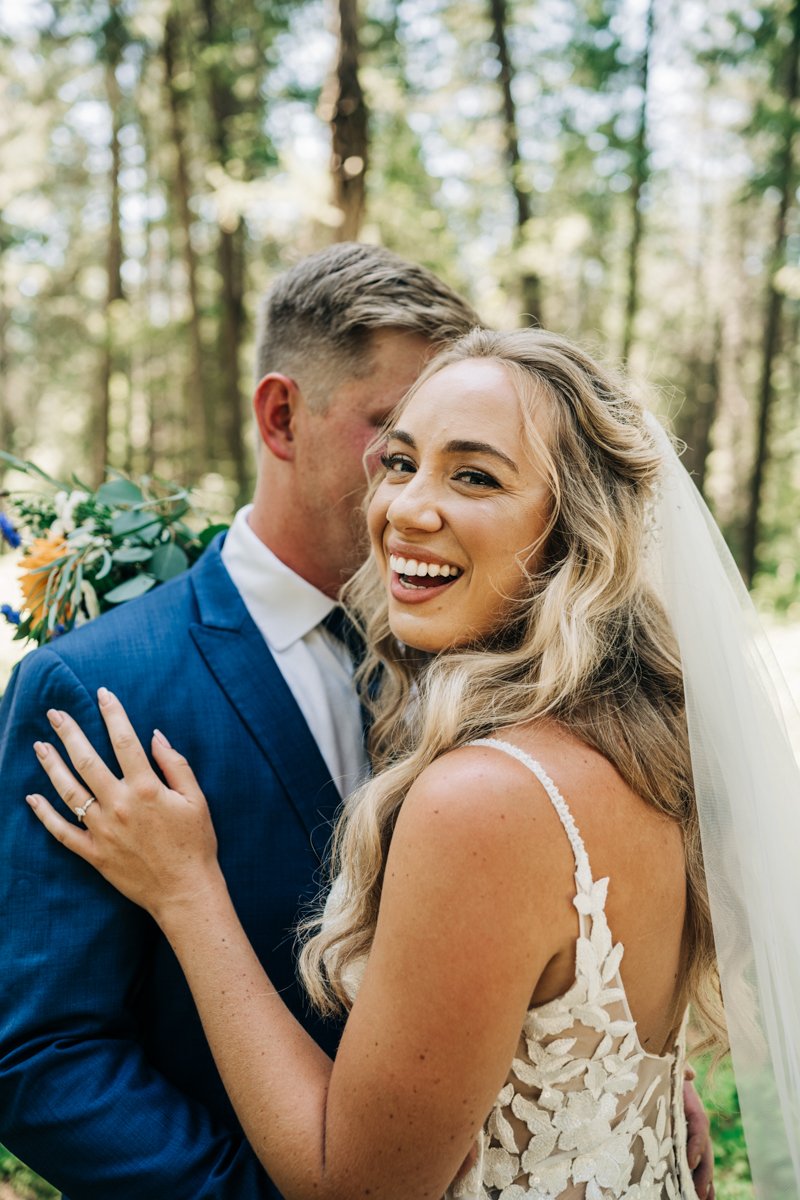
<point x="465" y="447"/>
<point x="456" y="446"/>
<point x="400" y="435"/>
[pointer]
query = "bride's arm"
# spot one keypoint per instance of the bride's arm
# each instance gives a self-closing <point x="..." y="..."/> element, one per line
<point x="452" y="968"/>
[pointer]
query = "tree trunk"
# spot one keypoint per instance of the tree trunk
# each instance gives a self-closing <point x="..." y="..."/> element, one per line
<point x="697" y="418"/>
<point x="707" y="409"/>
<point x="349" y="121"/>
<point x="774" y="306"/>
<point x="641" y="174"/>
<point x="230" y="257"/>
<point x="232" y="327"/>
<point x="199" y="409"/>
<point x="114" y="292"/>
<point x="529" y="281"/>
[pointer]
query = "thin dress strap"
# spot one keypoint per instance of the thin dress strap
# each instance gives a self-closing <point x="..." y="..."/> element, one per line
<point x="582" y="868"/>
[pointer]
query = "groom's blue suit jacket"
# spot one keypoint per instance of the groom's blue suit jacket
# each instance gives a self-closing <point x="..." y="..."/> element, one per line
<point x="107" y="1086"/>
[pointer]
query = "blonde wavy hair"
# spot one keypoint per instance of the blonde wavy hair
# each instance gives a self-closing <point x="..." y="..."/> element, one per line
<point x="588" y="645"/>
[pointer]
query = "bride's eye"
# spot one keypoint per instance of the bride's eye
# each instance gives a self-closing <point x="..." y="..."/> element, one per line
<point x="476" y="478"/>
<point x="397" y="464"/>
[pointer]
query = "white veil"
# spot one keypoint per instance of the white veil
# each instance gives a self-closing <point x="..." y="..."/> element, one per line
<point x="747" y="784"/>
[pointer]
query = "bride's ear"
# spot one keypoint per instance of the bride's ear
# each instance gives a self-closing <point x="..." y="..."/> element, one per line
<point x="275" y="405"/>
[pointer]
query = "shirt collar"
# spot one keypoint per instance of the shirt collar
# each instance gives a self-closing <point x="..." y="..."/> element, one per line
<point x="284" y="606"/>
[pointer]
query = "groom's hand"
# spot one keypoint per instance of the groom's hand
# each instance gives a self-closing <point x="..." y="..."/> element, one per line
<point x="699" y="1149"/>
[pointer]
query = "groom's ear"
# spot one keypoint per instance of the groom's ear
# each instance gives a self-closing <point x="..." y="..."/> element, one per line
<point x="275" y="405"/>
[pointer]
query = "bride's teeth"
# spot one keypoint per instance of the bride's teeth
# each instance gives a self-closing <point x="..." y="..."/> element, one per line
<point x="411" y="567"/>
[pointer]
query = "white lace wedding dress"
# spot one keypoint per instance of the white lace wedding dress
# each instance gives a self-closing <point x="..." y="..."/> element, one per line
<point x="586" y="1113"/>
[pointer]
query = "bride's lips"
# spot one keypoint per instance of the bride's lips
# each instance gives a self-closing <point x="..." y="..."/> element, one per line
<point x="415" y="585"/>
<point x="416" y="595"/>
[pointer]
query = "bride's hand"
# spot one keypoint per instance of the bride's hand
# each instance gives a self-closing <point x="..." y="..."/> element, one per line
<point x="153" y="841"/>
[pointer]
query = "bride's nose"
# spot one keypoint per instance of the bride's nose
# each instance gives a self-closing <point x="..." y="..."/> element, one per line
<point x="415" y="506"/>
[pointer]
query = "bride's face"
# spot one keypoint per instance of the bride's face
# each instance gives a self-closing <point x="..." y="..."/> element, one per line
<point x="461" y="508"/>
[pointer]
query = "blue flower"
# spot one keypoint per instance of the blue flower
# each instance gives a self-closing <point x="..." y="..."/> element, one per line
<point x="8" y="532"/>
<point x="10" y="614"/>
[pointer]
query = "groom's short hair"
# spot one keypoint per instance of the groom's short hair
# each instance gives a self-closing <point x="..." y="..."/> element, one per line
<point x="317" y="318"/>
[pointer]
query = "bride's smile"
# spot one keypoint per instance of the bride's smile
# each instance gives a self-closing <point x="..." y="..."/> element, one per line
<point x="461" y="508"/>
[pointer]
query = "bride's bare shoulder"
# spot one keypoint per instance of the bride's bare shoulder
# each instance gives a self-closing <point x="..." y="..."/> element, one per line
<point x="476" y="795"/>
<point x="481" y="783"/>
<point x="477" y="821"/>
<point x="473" y="776"/>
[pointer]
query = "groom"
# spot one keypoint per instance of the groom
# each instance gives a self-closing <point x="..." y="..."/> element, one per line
<point x="107" y="1087"/>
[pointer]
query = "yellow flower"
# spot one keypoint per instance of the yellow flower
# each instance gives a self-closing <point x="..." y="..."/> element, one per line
<point x="42" y="550"/>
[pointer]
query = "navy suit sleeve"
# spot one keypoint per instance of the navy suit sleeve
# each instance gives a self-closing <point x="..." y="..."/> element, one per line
<point x="79" y="1103"/>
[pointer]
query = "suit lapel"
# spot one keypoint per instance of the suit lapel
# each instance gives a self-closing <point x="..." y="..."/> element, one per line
<point x="238" y="657"/>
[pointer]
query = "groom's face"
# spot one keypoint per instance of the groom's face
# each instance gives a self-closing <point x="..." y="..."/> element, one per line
<point x="330" y="475"/>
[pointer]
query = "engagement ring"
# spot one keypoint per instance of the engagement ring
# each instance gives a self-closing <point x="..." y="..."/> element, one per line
<point x="80" y="813"/>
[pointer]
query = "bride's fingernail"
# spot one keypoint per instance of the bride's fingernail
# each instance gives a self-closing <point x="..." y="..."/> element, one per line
<point x="33" y="801"/>
<point x="40" y="749"/>
<point x="158" y="735"/>
<point x="54" y="717"/>
<point x="104" y="695"/>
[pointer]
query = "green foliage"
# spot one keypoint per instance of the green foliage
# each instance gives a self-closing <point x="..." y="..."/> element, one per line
<point x="86" y="551"/>
<point x="22" y="1181"/>
<point x="731" y="1168"/>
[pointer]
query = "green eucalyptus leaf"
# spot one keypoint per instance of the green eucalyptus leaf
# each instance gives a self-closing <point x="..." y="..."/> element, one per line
<point x="52" y="582"/>
<point x="130" y="589"/>
<point x="64" y="581"/>
<point x="77" y="586"/>
<point x="46" y="567"/>
<point x="52" y="617"/>
<point x="168" y="560"/>
<point x="26" y="467"/>
<point x="126" y="524"/>
<point x="19" y="463"/>
<point x="119" y="491"/>
<point x="38" y="632"/>
<point x="150" y="533"/>
<point x="105" y="567"/>
<point x="210" y="532"/>
<point x="132" y="554"/>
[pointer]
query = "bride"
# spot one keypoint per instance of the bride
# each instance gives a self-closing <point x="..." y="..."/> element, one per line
<point x="527" y="896"/>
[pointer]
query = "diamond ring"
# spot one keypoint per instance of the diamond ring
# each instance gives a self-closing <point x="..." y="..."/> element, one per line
<point x="80" y="813"/>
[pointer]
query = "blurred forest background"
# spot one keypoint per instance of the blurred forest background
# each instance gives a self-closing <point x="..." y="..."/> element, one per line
<point x="624" y="171"/>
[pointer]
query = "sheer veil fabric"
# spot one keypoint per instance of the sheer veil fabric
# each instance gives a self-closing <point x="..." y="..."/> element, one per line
<point x="747" y="783"/>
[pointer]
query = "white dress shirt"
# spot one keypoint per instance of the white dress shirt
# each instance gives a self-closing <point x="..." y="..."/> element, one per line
<point x="318" y="669"/>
